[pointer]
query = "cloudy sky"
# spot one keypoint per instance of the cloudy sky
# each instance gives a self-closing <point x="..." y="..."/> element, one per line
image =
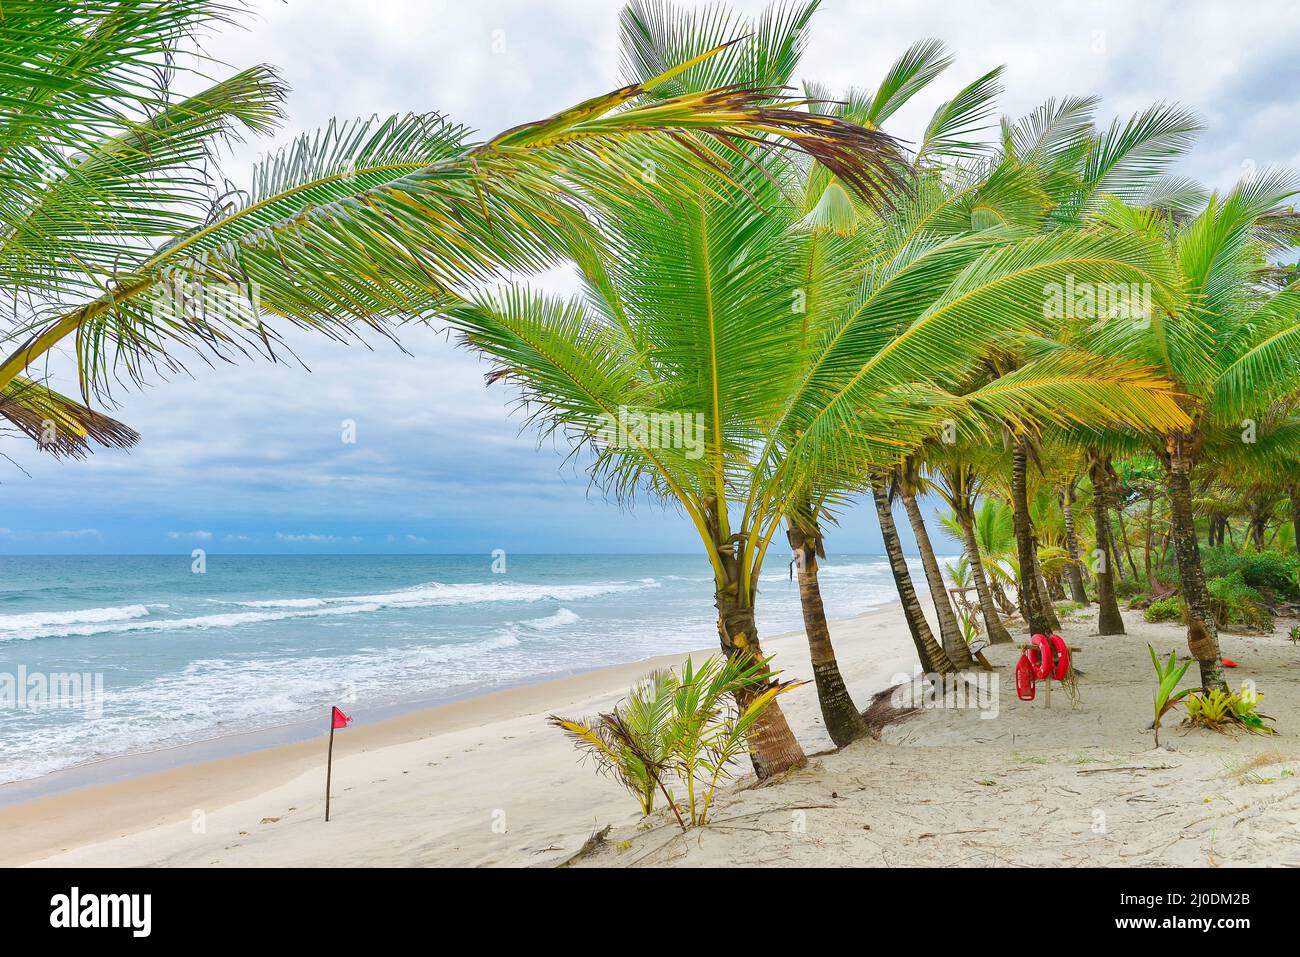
<point x="250" y="458"/>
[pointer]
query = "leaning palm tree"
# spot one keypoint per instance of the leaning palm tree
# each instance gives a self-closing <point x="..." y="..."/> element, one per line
<point x="680" y="373"/>
<point x="957" y="477"/>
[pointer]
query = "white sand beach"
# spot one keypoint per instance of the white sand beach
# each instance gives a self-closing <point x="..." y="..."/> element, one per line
<point x="486" y="782"/>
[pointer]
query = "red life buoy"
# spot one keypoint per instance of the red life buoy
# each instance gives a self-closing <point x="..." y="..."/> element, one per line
<point x="1025" y="679"/>
<point x="1039" y="653"/>
<point x="1062" y="652"/>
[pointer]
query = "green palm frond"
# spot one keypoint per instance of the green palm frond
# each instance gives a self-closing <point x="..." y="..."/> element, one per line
<point x="380" y="220"/>
<point x="955" y="122"/>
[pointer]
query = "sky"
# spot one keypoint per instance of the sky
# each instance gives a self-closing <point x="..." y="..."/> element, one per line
<point x="252" y="458"/>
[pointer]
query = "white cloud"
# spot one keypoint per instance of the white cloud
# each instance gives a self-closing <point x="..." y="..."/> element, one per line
<point x="254" y="445"/>
<point x="196" y="536"/>
<point x="315" y="538"/>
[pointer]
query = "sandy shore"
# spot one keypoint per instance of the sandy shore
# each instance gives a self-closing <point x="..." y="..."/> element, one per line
<point x="486" y="782"/>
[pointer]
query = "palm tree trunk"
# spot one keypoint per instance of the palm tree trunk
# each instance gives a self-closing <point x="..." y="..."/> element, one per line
<point x="993" y="627"/>
<point x="933" y="659"/>
<point x="773" y="748"/>
<point x="1295" y="514"/>
<point x="843" y="721"/>
<point x="1109" y="620"/>
<point x="1074" y="570"/>
<point x="1202" y="632"/>
<point x="1149" y="543"/>
<point x="1000" y="596"/>
<point x="954" y="645"/>
<point x="1033" y="603"/>
<point x="1258" y="525"/>
<point x="1123" y="532"/>
<point x="1040" y="583"/>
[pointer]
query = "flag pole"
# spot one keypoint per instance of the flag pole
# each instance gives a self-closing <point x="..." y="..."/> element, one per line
<point x="329" y="766"/>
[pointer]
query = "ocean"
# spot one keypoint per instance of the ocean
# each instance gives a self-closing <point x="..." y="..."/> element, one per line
<point x="168" y="657"/>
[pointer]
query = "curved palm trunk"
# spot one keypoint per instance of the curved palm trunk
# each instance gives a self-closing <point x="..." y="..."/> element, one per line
<point x="1109" y="620"/>
<point x="1043" y="586"/>
<point x="933" y="659"/>
<point x="1000" y="596"/>
<point x="954" y="645"/>
<point x="1202" y="633"/>
<point x="843" y="721"/>
<point x="1033" y="601"/>
<point x="993" y="627"/>
<point x="773" y="748"/>
<point x="1074" y="570"/>
<point x="1123" y="531"/>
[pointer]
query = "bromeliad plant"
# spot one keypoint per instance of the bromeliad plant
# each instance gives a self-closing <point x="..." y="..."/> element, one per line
<point x="1220" y="711"/>
<point x="679" y="729"/>
<point x="1167" y="677"/>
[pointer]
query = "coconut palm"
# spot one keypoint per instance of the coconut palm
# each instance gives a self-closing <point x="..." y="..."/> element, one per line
<point x="909" y="484"/>
<point x="802" y="388"/>
<point x="958" y="481"/>
<point x="1231" y="349"/>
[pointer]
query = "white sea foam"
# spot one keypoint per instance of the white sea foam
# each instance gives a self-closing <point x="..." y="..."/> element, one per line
<point x="467" y="593"/>
<point x="212" y="696"/>
<point x="131" y="618"/>
<point x="37" y="623"/>
<point x="558" y="620"/>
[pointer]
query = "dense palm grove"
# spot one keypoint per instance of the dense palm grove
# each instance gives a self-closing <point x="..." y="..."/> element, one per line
<point x="1089" y="361"/>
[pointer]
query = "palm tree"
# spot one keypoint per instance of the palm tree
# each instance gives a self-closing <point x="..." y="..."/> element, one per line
<point x="1231" y="349"/>
<point x="692" y="316"/>
<point x="958" y="481"/>
<point x="954" y="642"/>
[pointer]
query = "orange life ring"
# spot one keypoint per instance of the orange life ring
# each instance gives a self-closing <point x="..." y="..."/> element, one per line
<point x="1039" y="653"/>
<point x="1062" y="652"/>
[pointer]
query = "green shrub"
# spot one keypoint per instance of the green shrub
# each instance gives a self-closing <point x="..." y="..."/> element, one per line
<point x="1270" y="573"/>
<point x="1169" y="608"/>
<point x="1128" y="588"/>
<point x="1235" y="603"/>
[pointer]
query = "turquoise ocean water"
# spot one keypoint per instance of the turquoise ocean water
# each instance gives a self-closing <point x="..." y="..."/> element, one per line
<point x="258" y="641"/>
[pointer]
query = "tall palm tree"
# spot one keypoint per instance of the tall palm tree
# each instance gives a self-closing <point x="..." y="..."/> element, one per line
<point x="958" y="481"/>
<point x="692" y="314"/>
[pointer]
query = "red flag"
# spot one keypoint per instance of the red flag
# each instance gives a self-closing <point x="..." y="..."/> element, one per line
<point x="341" y="720"/>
